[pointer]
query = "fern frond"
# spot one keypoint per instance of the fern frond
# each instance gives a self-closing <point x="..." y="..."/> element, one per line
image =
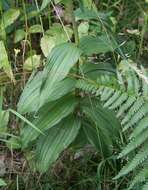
<point x="144" y="84"/>
<point x="131" y="106"/>
<point x="119" y="101"/>
<point x="140" y="157"/>
<point x="140" y="177"/>
<point x="137" y="116"/>
<point x="134" y="108"/>
<point x="105" y="95"/>
<point x="141" y="126"/>
<point x="145" y="187"/>
<point x="133" y="82"/>
<point x="112" y="99"/>
<point x="126" y="106"/>
<point x="136" y="142"/>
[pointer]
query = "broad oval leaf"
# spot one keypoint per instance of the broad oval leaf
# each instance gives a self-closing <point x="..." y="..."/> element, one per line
<point x="44" y="4"/>
<point x="83" y="29"/>
<point x="32" y="62"/>
<point x="54" y="36"/>
<point x="48" y="116"/>
<point x="105" y="128"/>
<point x="47" y="44"/>
<point x="87" y="14"/>
<point x="19" y="35"/>
<point x="100" y="44"/>
<point x="60" y="61"/>
<point x="37" y="28"/>
<point x="9" y="17"/>
<point x="30" y="98"/>
<point x="56" y="140"/>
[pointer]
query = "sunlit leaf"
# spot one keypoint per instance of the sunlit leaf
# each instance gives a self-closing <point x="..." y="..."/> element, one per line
<point x="44" y="4"/>
<point x="35" y="29"/>
<point x="2" y="182"/>
<point x="4" y="118"/>
<point x="83" y="29"/>
<point x="30" y="98"/>
<point x="9" y="17"/>
<point x="32" y="62"/>
<point x="47" y="44"/>
<point x="54" y="36"/>
<point x="59" y="63"/>
<point x="4" y="63"/>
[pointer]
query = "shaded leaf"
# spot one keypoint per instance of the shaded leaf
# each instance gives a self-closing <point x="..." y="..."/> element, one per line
<point x="19" y="35"/>
<point x="100" y="44"/>
<point x="87" y="14"/>
<point x="57" y="139"/>
<point x="105" y="130"/>
<point x="26" y="121"/>
<point x="14" y="143"/>
<point x="48" y="116"/>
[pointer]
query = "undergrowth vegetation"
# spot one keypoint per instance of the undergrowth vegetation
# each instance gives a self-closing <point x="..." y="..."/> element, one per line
<point x="74" y="94"/>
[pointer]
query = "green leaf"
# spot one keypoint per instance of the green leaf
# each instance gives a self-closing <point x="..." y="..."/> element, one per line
<point x="44" y="4"/>
<point x="94" y="138"/>
<point x="8" y="18"/>
<point x="57" y="139"/>
<point x="26" y="121"/>
<point x="4" y="119"/>
<point x="87" y="14"/>
<point x="37" y="28"/>
<point x="19" y="35"/>
<point x="14" y="143"/>
<point x="87" y="3"/>
<point x="30" y="98"/>
<point x="105" y="128"/>
<point x="48" y="116"/>
<point x="32" y="62"/>
<point x="100" y="44"/>
<point x="4" y="63"/>
<point x="83" y="29"/>
<point x="47" y="44"/>
<point x="55" y="36"/>
<point x="60" y="61"/>
<point x="2" y="182"/>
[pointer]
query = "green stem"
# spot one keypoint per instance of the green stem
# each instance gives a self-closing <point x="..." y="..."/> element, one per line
<point x="76" y="36"/>
<point x="142" y="35"/>
<point x="70" y="11"/>
<point x="40" y="17"/>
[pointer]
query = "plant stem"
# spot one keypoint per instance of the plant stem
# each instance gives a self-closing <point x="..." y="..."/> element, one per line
<point x="76" y="36"/>
<point x="70" y="9"/>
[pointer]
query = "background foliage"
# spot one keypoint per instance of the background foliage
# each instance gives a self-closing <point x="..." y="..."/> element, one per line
<point x="74" y="94"/>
